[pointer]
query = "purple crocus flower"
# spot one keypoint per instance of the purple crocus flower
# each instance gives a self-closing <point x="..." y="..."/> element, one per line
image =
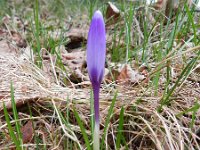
<point x="96" y="54"/>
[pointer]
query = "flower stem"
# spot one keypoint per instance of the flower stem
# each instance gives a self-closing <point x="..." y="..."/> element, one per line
<point x="96" y="89"/>
<point x="96" y="137"/>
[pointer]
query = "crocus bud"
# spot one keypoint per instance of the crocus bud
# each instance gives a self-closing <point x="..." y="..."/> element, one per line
<point x="96" y="53"/>
<point x="96" y="48"/>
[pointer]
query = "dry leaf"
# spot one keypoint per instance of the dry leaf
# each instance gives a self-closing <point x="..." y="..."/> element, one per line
<point x="168" y="5"/>
<point x="74" y="60"/>
<point x="145" y="73"/>
<point x="160" y="4"/>
<point x="20" y="42"/>
<point x="110" y="76"/>
<point x="75" y="65"/>
<point x="77" y="76"/>
<point x="27" y="132"/>
<point x="112" y="14"/>
<point x="77" y="38"/>
<point x="127" y="74"/>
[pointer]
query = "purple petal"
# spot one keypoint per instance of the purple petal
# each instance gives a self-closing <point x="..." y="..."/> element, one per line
<point x="96" y="48"/>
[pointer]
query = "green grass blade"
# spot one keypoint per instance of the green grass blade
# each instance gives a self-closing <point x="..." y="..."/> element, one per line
<point x="36" y="19"/>
<point x="37" y="31"/>
<point x="65" y="121"/>
<point x="36" y="141"/>
<point x="125" y="143"/>
<point x="110" y="111"/>
<point x="194" y="109"/>
<point x="10" y="129"/>
<point x="83" y="130"/>
<point x="120" y="128"/>
<point x="191" y="20"/>
<point x="169" y="48"/>
<point x="184" y="74"/>
<point x="15" y="113"/>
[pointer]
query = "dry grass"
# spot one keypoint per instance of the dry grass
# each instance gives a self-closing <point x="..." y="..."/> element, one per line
<point x="41" y="98"/>
<point x="144" y="127"/>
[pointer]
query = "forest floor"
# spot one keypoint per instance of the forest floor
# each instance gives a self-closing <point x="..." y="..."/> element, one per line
<point x="150" y="95"/>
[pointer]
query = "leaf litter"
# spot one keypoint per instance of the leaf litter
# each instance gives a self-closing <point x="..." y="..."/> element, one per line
<point x="145" y="127"/>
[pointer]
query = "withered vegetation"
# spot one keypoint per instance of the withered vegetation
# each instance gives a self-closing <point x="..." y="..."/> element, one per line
<point x="48" y="84"/>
